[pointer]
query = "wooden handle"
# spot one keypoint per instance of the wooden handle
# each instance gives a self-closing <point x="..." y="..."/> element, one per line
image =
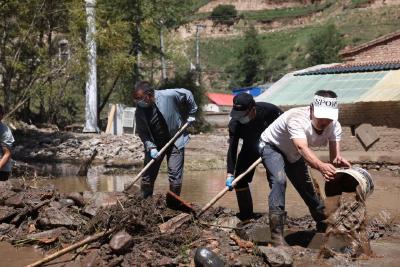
<point x="223" y="191"/>
<point x="148" y="165"/>
<point x="57" y="254"/>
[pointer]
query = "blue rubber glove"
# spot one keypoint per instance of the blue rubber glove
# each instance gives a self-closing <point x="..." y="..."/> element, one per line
<point x="191" y="119"/>
<point x="229" y="180"/>
<point x="153" y="153"/>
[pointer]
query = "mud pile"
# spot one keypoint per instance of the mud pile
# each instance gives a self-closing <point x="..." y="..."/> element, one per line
<point x="44" y="218"/>
<point x="57" y="146"/>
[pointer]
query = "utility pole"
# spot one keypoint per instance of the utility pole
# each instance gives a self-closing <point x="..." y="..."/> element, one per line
<point x="163" y="67"/>
<point x="91" y="83"/>
<point x="198" y="68"/>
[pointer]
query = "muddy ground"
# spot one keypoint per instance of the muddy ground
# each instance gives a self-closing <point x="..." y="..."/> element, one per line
<point x="47" y="220"/>
<point x="44" y="149"/>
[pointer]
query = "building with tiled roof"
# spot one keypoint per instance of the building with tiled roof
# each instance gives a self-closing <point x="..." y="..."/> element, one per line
<point x="218" y="102"/>
<point x="382" y="49"/>
<point x="367" y="84"/>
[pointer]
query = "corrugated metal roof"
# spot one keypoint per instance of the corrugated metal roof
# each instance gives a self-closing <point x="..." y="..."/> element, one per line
<point x="350" y="87"/>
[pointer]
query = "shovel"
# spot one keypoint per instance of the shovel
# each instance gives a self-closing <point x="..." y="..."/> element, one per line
<point x="174" y="223"/>
<point x="148" y="165"/>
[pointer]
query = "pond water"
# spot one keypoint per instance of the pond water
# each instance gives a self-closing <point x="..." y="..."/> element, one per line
<point x="201" y="186"/>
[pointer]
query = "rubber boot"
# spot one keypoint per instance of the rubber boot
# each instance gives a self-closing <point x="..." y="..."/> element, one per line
<point x="146" y="189"/>
<point x="319" y="217"/>
<point x="277" y="220"/>
<point x="172" y="203"/>
<point x="245" y="203"/>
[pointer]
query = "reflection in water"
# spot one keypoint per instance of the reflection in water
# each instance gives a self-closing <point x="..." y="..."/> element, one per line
<point x="201" y="186"/>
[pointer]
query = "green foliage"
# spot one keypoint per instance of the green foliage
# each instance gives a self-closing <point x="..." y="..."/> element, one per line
<point x="187" y="80"/>
<point x="49" y="88"/>
<point x="250" y="60"/>
<point x="224" y="14"/>
<point x="324" y="46"/>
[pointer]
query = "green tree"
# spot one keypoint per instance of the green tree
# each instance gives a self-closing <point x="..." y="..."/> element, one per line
<point x="47" y="87"/>
<point x="248" y="69"/>
<point x="224" y="14"/>
<point x="324" y="46"/>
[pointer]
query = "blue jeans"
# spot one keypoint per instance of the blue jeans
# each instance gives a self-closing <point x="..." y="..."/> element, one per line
<point x="278" y="168"/>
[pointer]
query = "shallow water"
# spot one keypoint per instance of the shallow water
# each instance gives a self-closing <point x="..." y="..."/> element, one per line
<point x="17" y="256"/>
<point x="201" y="186"/>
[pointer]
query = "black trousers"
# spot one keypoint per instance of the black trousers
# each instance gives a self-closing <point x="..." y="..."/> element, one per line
<point x="245" y="159"/>
<point x="4" y="176"/>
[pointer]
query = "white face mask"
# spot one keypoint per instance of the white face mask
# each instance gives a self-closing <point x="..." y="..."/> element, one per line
<point x="244" y="120"/>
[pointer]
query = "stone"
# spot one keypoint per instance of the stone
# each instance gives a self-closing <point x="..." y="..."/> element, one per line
<point x="95" y="142"/>
<point x="166" y="261"/>
<point x="276" y="256"/>
<point x="55" y="204"/>
<point x="15" y="201"/>
<point x="48" y="235"/>
<point x="121" y="241"/>
<point x="206" y="258"/>
<point x="5" y="228"/>
<point x="66" y="202"/>
<point x="77" y="198"/>
<point x="393" y="167"/>
<point x="56" y="142"/>
<point x="246" y="260"/>
<point x="117" y="150"/>
<point x="257" y="233"/>
<point x="7" y="213"/>
<point x="91" y="260"/>
<point x="227" y="223"/>
<point x="51" y="217"/>
<point x="367" y="135"/>
<point x="91" y="210"/>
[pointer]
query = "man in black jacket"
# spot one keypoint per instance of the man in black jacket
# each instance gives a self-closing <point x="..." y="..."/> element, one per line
<point x="249" y="120"/>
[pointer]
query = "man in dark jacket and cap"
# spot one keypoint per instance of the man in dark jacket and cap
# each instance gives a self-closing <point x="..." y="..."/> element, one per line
<point x="248" y="120"/>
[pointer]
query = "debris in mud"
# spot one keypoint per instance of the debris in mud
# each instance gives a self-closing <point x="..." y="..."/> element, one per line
<point x="52" y="220"/>
<point x="112" y="151"/>
<point x="347" y="231"/>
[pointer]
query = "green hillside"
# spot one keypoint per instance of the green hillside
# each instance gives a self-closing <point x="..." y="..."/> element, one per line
<point x="285" y="47"/>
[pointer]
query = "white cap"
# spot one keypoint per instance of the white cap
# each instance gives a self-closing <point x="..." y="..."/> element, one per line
<point x="325" y="108"/>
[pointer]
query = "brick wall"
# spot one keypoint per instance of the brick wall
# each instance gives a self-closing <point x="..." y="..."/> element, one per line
<point x="375" y="113"/>
<point x="381" y="52"/>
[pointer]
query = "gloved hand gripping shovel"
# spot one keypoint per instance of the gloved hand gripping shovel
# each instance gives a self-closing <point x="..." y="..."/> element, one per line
<point x="148" y="165"/>
<point x="174" y="223"/>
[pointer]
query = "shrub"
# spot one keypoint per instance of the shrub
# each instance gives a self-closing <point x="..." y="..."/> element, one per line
<point x="224" y="14"/>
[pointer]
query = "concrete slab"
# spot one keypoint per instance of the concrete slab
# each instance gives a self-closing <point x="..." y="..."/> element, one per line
<point x="367" y="135"/>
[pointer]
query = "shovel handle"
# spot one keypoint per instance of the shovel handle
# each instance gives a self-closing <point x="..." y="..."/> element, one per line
<point x="148" y="165"/>
<point x="226" y="189"/>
